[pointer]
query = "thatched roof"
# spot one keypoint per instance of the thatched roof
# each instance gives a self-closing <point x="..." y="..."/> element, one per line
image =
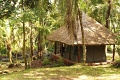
<point x="94" y="32"/>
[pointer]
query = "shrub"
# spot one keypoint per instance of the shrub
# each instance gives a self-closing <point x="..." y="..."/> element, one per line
<point x="116" y="64"/>
<point x="46" y="61"/>
<point x="58" y="63"/>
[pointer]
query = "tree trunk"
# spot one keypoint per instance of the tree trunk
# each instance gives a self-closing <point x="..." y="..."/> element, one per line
<point x="9" y="53"/>
<point x="82" y="32"/>
<point x="107" y="18"/>
<point x="16" y="57"/>
<point x="24" y="54"/>
<point x="108" y="14"/>
<point x="31" y="46"/>
<point x="113" y="53"/>
<point x="10" y="56"/>
<point x="31" y="41"/>
<point x="70" y="19"/>
<point x="55" y="46"/>
<point x="39" y="45"/>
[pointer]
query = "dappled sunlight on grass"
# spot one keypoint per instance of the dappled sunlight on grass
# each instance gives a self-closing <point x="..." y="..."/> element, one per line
<point x="84" y="77"/>
<point x="33" y="75"/>
<point x="74" y="72"/>
<point x="53" y="74"/>
<point x="102" y="77"/>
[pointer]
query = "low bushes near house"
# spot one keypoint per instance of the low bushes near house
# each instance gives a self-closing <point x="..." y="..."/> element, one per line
<point x="17" y="65"/>
<point x="58" y="62"/>
<point x="36" y="64"/>
<point x="118" y="50"/>
<point x="116" y="64"/>
<point x="48" y="63"/>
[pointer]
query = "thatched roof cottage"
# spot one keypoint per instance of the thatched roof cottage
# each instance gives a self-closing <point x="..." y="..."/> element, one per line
<point x="96" y="38"/>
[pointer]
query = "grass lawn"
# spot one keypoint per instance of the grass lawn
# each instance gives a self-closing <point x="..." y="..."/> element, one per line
<point x="75" y="72"/>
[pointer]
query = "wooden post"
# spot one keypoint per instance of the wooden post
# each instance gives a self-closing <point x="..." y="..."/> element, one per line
<point x="78" y="53"/>
<point x="70" y="52"/>
<point x="55" y="50"/>
<point x="61" y="49"/>
<point x="113" y="52"/>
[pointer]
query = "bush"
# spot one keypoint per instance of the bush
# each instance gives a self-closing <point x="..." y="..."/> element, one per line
<point x="118" y="50"/>
<point x="58" y="63"/>
<point x="117" y="64"/>
<point x="3" y="51"/>
<point x="46" y="61"/>
<point x="109" y="48"/>
<point x="36" y="64"/>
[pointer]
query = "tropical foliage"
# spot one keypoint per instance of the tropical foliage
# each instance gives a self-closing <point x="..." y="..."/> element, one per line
<point x="40" y="17"/>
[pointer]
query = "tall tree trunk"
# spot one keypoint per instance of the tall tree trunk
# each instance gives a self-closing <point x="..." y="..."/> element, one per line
<point x="72" y="26"/>
<point x="31" y="46"/>
<point x="10" y="56"/>
<point x="108" y="14"/>
<point x="31" y="41"/>
<point x="9" y="53"/>
<point x="70" y="19"/>
<point x="83" y="38"/>
<point x="107" y="18"/>
<point x="16" y="57"/>
<point x="39" y="45"/>
<point x="24" y="54"/>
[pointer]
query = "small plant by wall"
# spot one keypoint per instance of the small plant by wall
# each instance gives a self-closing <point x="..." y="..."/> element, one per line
<point x="46" y="61"/>
<point x="58" y="63"/>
